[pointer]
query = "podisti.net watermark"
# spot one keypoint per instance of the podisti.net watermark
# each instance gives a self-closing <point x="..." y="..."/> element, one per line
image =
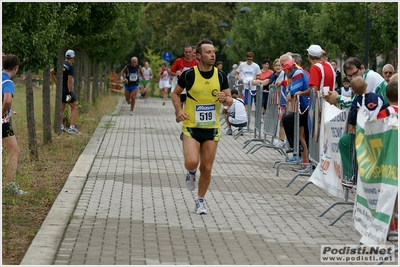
<point x="352" y="253"/>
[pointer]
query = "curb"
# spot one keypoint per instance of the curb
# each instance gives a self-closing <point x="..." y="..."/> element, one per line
<point x="45" y="245"/>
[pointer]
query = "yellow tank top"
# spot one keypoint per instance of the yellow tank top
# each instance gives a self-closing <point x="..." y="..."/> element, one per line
<point x="203" y="109"/>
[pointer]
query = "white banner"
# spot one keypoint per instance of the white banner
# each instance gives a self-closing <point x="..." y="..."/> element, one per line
<point x="328" y="173"/>
<point x="377" y="184"/>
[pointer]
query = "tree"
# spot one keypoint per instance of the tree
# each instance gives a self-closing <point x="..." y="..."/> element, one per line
<point x="191" y="23"/>
<point x="32" y="45"/>
<point x="271" y="29"/>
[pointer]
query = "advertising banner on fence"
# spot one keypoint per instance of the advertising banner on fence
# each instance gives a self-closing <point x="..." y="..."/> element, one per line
<point x="328" y="173"/>
<point x="377" y="184"/>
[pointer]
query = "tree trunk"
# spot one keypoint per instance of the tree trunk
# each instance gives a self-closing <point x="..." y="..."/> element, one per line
<point x="30" y="117"/>
<point x="78" y="74"/>
<point x="58" y="102"/>
<point x="46" y="118"/>
<point x="86" y="75"/>
<point x="101" y="84"/>
<point x="95" y="86"/>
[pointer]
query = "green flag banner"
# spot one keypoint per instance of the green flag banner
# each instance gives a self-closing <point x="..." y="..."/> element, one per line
<point x="377" y="156"/>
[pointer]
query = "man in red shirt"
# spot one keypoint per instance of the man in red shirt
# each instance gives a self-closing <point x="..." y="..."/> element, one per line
<point x="321" y="72"/>
<point x="180" y="65"/>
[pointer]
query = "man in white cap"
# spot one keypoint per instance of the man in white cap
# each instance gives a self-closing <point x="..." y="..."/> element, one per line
<point x="67" y="94"/>
<point x="321" y="72"/>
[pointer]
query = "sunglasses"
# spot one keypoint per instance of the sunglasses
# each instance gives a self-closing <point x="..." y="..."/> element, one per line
<point x="388" y="72"/>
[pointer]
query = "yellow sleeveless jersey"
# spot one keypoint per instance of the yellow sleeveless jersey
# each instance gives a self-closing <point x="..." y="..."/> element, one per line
<point x="202" y="103"/>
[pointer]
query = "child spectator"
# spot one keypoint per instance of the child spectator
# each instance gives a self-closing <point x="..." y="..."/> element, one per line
<point x="346" y="90"/>
<point x="391" y="94"/>
<point x="235" y="114"/>
<point x="373" y="102"/>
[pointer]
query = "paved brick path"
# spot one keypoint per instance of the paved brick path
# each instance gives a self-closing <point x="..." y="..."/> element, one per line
<point x="134" y="208"/>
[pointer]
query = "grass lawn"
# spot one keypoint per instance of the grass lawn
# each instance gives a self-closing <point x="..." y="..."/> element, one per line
<point x="43" y="179"/>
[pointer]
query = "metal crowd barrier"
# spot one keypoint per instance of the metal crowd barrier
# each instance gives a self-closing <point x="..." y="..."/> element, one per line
<point x="249" y="104"/>
<point x="313" y="146"/>
<point x="296" y="134"/>
<point x="232" y="82"/>
<point x="271" y="122"/>
<point x="314" y="152"/>
<point x="314" y="156"/>
<point x="257" y="118"/>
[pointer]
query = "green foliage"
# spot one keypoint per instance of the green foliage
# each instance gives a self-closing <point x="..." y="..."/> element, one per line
<point x="35" y="31"/>
<point x="271" y="29"/>
<point x="191" y="22"/>
<point x="154" y="59"/>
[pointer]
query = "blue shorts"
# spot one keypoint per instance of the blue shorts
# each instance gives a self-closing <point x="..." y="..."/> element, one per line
<point x="247" y="94"/>
<point x="131" y="88"/>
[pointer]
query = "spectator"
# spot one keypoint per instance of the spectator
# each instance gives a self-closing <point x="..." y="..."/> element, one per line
<point x="387" y="72"/>
<point x="324" y="56"/>
<point x="353" y="67"/>
<point x="231" y="76"/>
<point x="282" y="80"/>
<point x="346" y="90"/>
<point x="392" y="90"/>
<point x="373" y="102"/>
<point x="321" y="72"/>
<point x="338" y="79"/>
<point x="299" y="62"/>
<point x="10" y="146"/>
<point x="235" y="114"/>
<point x="264" y="79"/>
<point x="219" y="65"/>
<point x="67" y="93"/>
<point x="299" y="82"/>
<point x="247" y="72"/>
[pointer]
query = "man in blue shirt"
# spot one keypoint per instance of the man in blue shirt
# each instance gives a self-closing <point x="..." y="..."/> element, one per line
<point x="298" y="82"/>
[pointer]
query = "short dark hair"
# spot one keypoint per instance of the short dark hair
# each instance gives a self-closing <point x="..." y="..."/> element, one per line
<point x="219" y="63"/>
<point x="10" y="61"/>
<point x="346" y="80"/>
<point x="204" y="41"/>
<point x="297" y="58"/>
<point x="392" y="89"/>
<point x="187" y="46"/>
<point x="332" y="60"/>
<point x="352" y="61"/>
<point x="266" y="60"/>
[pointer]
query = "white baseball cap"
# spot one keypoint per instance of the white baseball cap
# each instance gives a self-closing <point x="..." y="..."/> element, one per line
<point x="70" y="54"/>
<point x="315" y="51"/>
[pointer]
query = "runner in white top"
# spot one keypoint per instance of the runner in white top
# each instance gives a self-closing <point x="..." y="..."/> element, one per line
<point x="145" y="82"/>
<point x="164" y="83"/>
